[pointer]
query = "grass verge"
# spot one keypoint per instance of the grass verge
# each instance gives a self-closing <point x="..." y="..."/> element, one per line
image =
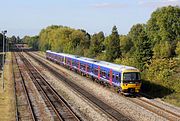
<point x="7" y="99"/>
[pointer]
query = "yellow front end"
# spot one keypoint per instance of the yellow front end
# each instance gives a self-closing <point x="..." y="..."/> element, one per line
<point x="131" y="86"/>
<point x="126" y="87"/>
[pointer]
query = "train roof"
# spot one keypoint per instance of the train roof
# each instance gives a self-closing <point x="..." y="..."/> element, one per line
<point x="62" y="54"/>
<point x="113" y="66"/>
<point x="117" y="66"/>
<point x="108" y="64"/>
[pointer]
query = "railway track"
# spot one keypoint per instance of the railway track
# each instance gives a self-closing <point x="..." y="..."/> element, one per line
<point x="55" y="102"/>
<point x="168" y="114"/>
<point x="172" y="116"/>
<point x="108" y="110"/>
<point x="24" y="107"/>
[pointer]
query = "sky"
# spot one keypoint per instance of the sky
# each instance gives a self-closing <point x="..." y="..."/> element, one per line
<point x="28" y="17"/>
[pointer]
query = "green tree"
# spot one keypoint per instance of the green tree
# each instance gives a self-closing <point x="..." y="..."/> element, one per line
<point x="164" y="25"/>
<point x="126" y="44"/>
<point x="96" y="45"/>
<point x="178" y="49"/>
<point x="14" y="39"/>
<point x="18" y="40"/>
<point x="162" y="50"/>
<point x="161" y="70"/>
<point x="1" y="40"/>
<point x="112" y="45"/>
<point x="32" y="41"/>
<point x="44" y="43"/>
<point x="87" y="38"/>
<point x="54" y="38"/>
<point x="64" y="39"/>
<point x="142" y="45"/>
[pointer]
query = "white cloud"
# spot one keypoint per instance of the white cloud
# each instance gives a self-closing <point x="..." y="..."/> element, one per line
<point x="159" y="3"/>
<point x="170" y="0"/>
<point x="109" y="5"/>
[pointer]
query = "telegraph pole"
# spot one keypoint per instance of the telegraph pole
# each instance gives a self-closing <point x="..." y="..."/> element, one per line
<point x="3" y="32"/>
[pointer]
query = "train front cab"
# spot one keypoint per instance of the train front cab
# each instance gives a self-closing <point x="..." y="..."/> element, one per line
<point x="130" y="81"/>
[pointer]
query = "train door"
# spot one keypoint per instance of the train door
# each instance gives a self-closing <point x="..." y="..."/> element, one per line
<point x="110" y="76"/>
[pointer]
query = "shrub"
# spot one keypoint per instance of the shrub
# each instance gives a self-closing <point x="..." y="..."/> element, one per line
<point x="160" y="71"/>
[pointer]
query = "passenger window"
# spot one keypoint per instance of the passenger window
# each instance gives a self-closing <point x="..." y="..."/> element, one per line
<point x="89" y="69"/>
<point x="117" y="77"/>
<point x="104" y="73"/>
<point x="96" y="71"/>
<point x="113" y="76"/>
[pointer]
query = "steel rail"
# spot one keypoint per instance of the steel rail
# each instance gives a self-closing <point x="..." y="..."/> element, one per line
<point x="30" y="106"/>
<point x="108" y="110"/>
<point x="47" y="90"/>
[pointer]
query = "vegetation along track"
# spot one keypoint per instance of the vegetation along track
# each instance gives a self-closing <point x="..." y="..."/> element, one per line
<point x="147" y="104"/>
<point x="54" y="101"/>
<point x="24" y="105"/>
<point x="111" y="112"/>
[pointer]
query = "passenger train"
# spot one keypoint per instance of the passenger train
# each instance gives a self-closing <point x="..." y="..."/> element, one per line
<point x="125" y="79"/>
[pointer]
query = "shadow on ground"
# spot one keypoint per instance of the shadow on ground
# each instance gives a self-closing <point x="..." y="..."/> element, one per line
<point x="152" y="90"/>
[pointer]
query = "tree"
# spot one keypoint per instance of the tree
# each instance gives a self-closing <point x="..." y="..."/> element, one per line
<point x="96" y="45"/>
<point x="87" y="39"/>
<point x="1" y="40"/>
<point x="64" y="39"/>
<point x="44" y="43"/>
<point x="162" y="50"/>
<point x="142" y="45"/>
<point x="126" y="44"/>
<point x="13" y="39"/>
<point x="77" y="42"/>
<point x="112" y="45"/>
<point x="164" y="25"/>
<point x="18" y="40"/>
<point x="178" y="49"/>
<point x="32" y="42"/>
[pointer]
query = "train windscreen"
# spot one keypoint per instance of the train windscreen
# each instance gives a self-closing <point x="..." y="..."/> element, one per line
<point x="131" y="77"/>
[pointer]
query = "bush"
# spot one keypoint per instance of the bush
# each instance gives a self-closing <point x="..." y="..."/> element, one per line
<point x="101" y="56"/>
<point x="162" y="50"/>
<point x="160" y="71"/>
<point x="178" y="49"/>
<point x="127" y="61"/>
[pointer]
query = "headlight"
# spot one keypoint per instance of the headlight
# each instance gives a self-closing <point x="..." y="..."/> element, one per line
<point x="125" y="84"/>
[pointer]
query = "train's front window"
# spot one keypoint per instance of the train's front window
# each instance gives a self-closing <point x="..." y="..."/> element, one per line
<point x="131" y="77"/>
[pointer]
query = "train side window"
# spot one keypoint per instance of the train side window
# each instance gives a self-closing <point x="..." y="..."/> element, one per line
<point x="103" y="73"/>
<point x="113" y="76"/>
<point x="82" y="66"/>
<point x="96" y="71"/>
<point x="73" y="62"/>
<point x="117" y="77"/>
<point x="108" y="74"/>
<point x="88" y="68"/>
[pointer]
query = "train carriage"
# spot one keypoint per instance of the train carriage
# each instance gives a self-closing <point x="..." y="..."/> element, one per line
<point x="125" y="78"/>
